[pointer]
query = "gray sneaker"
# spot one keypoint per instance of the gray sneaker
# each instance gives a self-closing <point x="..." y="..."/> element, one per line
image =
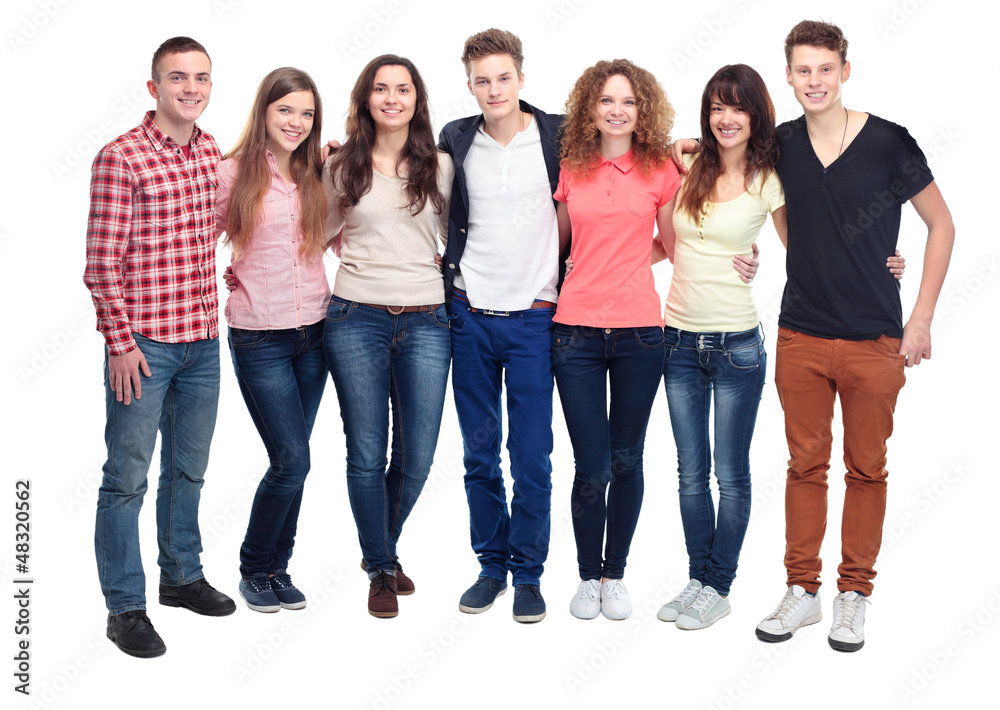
<point x="704" y="611"/>
<point x="673" y="608"/>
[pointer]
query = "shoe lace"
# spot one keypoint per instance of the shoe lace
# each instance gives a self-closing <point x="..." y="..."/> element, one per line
<point x="381" y="582"/>
<point x="281" y="580"/>
<point x="848" y="609"/>
<point x="704" y="601"/>
<point x="687" y="595"/>
<point x="789" y="604"/>
<point x="589" y="591"/>
<point x="616" y="589"/>
<point x="529" y="589"/>
<point x="260" y="583"/>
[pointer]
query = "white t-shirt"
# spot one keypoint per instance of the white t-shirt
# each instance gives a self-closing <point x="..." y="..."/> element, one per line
<point x="511" y="257"/>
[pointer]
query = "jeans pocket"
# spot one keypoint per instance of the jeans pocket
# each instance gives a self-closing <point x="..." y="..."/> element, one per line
<point x="441" y="318"/>
<point x="747" y="358"/>
<point x="562" y="338"/>
<point x="241" y="338"/>
<point x="651" y="337"/>
<point x="668" y="353"/>
<point x="538" y="320"/>
<point x="339" y="310"/>
<point x="786" y="335"/>
<point x="888" y="346"/>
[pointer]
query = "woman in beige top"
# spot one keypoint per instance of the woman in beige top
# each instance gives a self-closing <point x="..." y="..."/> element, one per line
<point x="386" y="334"/>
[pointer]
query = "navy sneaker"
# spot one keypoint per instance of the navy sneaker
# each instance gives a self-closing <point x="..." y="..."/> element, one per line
<point x="258" y="595"/>
<point x="481" y="595"/>
<point x="528" y="603"/>
<point x="284" y="589"/>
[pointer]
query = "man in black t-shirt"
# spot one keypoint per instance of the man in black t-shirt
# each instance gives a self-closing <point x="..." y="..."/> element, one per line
<point x="846" y="175"/>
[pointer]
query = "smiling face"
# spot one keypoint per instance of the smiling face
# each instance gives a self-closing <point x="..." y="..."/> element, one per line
<point x="393" y="99"/>
<point x="183" y="90"/>
<point x="617" y="109"/>
<point x="817" y="75"/>
<point x="288" y="122"/>
<point x="730" y="125"/>
<point x="496" y="84"/>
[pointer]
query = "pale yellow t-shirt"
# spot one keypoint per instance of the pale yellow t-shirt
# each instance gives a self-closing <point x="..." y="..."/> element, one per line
<point x="706" y="292"/>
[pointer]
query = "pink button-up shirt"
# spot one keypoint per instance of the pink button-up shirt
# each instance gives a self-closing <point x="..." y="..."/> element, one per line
<point x="278" y="287"/>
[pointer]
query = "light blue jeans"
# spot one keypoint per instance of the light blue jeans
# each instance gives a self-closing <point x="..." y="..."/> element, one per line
<point x="179" y="399"/>
<point x="730" y="367"/>
<point x="378" y="359"/>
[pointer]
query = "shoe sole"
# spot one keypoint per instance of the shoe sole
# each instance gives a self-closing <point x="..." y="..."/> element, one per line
<point x="529" y="619"/>
<point x="612" y="617"/>
<point x="703" y="625"/>
<point x="844" y="646"/>
<point x="383" y="614"/>
<point x="263" y="609"/>
<point x="778" y="638"/>
<point x="225" y="611"/>
<point x="480" y="609"/>
<point x="294" y="605"/>
<point x="153" y="653"/>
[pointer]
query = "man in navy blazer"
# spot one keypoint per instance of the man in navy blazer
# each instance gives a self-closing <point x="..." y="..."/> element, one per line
<point x="502" y="273"/>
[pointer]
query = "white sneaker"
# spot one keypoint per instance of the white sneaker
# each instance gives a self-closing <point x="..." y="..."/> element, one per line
<point x="796" y="609"/>
<point x="673" y="608"/>
<point x="704" y="611"/>
<point x="587" y="602"/>
<point x="848" y="631"/>
<point x="615" y="602"/>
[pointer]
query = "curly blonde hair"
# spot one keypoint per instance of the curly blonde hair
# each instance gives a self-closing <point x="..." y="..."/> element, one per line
<point x="581" y="141"/>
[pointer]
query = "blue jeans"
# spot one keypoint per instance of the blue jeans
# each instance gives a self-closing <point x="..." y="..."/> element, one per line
<point x="607" y="443"/>
<point x="491" y="352"/>
<point x="180" y="398"/>
<point x="733" y="366"/>
<point x="377" y="358"/>
<point x="281" y="374"/>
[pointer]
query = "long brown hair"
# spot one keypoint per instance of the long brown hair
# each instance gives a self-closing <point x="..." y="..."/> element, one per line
<point x="352" y="168"/>
<point x="253" y="177"/>
<point x="733" y="85"/>
<point x="581" y="141"/>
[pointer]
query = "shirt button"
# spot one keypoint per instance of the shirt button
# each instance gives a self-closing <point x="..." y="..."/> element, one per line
<point x="452" y="266"/>
<point x="463" y="232"/>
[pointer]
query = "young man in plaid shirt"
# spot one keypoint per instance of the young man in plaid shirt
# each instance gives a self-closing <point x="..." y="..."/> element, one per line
<point x="151" y="272"/>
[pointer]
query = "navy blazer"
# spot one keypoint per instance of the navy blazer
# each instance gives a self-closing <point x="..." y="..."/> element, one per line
<point x="456" y="140"/>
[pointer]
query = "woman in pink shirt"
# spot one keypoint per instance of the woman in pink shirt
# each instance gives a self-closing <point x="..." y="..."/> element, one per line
<point x="617" y="182"/>
<point x="271" y="204"/>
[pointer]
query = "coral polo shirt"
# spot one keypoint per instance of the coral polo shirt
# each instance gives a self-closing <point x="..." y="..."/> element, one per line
<point x="613" y="214"/>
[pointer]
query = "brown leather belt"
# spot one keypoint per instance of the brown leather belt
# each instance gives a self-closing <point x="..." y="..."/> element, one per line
<point x="396" y="310"/>
<point x="489" y="312"/>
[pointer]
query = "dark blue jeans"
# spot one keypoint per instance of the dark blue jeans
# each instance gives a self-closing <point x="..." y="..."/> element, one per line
<point x="491" y="352"/>
<point x="179" y="399"/>
<point x="378" y="359"/>
<point x="732" y="366"/>
<point x="607" y="442"/>
<point x="281" y="374"/>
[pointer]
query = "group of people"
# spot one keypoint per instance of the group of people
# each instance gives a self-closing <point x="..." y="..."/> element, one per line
<point x="546" y="279"/>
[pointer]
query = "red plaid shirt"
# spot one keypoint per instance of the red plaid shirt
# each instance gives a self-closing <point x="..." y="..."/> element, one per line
<point x="151" y="238"/>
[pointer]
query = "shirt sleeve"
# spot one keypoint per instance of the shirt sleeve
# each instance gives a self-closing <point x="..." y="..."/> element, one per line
<point x="671" y="183"/>
<point x="334" y="219"/>
<point x="562" y="190"/>
<point x="446" y="179"/>
<point x="774" y="194"/>
<point x="108" y="230"/>
<point x="226" y="174"/>
<point x="909" y="167"/>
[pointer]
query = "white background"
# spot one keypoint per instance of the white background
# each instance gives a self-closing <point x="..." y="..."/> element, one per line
<point x="75" y="79"/>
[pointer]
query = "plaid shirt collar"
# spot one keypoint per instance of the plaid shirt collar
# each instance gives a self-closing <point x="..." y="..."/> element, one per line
<point x="158" y="138"/>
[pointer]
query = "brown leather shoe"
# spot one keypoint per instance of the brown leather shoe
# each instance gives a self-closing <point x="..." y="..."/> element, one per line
<point x="404" y="585"/>
<point x="382" y="596"/>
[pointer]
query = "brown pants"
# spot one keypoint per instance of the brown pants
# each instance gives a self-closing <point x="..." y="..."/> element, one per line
<point x="809" y="373"/>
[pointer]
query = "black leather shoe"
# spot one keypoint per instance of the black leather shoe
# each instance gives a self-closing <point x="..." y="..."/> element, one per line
<point x="133" y="633"/>
<point x="200" y="597"/>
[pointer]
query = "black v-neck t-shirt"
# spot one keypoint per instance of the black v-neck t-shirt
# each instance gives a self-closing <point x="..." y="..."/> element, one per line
<point x="843" y="223"/>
